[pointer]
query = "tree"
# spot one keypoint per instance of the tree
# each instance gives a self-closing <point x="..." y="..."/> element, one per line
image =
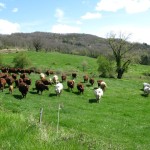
<point x="120" y="48"/>
<point x="21" y="60"/>
<point x="105" y="66"/>
<point x="37" y="43"/>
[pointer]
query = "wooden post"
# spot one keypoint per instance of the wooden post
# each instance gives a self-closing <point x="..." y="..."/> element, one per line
<point x="58" y="117"/>
<point x="41" y="111"/>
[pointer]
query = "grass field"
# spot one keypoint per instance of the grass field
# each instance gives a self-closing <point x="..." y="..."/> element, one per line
<point x="120" y="121"/>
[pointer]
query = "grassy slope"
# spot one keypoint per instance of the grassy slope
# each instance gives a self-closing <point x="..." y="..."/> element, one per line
<point x="120" y="121"/>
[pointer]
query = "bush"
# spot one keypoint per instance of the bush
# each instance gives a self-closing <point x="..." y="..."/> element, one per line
<point x="105" y="66"/>
<point x="21" y="60"/>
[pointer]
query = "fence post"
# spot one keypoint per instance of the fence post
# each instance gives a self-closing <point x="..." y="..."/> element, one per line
<point x="58" y="117"/>
<point x="41" y="111"/>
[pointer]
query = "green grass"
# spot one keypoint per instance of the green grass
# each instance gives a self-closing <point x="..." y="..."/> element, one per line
<point x="119" y="121"/>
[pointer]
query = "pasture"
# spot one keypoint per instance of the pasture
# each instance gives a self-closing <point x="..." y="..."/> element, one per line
<point x="120" y="121"/>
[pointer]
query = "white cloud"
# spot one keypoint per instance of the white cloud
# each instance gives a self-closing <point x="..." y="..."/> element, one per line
<point x="90" y="15"/>
<point x="15" y="10"/>
<point x="59" y="14"/>
<point x="62" y="28"/>
<point x="2" y="6"/>
<point x="78" y="22"/>
<point x="7" y="27"/>
<point x="137" y="33"/>
<point x="131" y="6"/>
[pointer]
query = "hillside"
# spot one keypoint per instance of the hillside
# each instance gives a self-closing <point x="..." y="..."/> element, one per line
<point x="119" y="121"/>
<point x="80" y="44"/>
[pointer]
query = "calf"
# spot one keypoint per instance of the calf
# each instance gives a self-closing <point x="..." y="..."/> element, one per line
<point x="11" y="88"/>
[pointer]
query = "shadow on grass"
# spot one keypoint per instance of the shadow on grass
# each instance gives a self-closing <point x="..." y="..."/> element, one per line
<point x="52" y="95"/>
<point x="33" y="92"/>
<point x="92" y="100"/>
<point x="19" y="97"/>
<point x="144" y="95"/>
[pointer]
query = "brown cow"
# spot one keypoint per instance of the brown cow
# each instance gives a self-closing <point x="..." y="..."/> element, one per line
<point x="48" y="72"/>
<point x="23" y="75"/>
<point x="40" y="86"/>
<point x="74" y="75"/>
<point x="46" y="82"/>
<point x="86" y="78"/>
<point x="102" y="84"/>
<point x="2" y="83"/>
<point x="27" y="80"/>
<point x="91" y="81"/>
<point x="10" y="80"/>
<point x="63" y="77"/>
<point x="23" y="88"/>
<point x="80" y="88"/>
<point x="70" y="84"/>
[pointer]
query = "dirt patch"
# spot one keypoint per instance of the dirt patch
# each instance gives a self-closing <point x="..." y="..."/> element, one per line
<point x="7" y="51"/>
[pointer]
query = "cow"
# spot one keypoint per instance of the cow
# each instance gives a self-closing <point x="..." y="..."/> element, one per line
<point x="70" y="84"/>
<point x="55" y="79"/>
<point x="14" y="75"/>
<point x="27" y="80"/>
<point x="102" y="85"/>
<point x="42" y="76"/>
<point x="85" y="78"/>
<point x="74" y="75"/>
<point x="11" y="88"/>
<point x="48" y="72"/>
<point x="10" y="80"/>
<point x="46" y="82"/>
<point x="18" y="81"/>
<point x="23" y="75"/>
<point x="91" y="81"/>
<point x="80" y="88"/>
<point x="63" y="77"/>
<point x="58" y="88"/>
<point x="23" y="88"/>
<point x="98" y="94"/>
<point x="2" y="83"/>
<point x="40" y="86"/>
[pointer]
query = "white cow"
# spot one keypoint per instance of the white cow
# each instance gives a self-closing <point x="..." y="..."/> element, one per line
<point x="98" y="93"/>
<point x="58" y="88"/>
<point x="146" y="90"/>
<point x="146" y="84"/>
<point x="55" y="79"/>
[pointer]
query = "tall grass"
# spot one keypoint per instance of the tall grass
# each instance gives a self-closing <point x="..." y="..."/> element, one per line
<point x="119" y="121"/>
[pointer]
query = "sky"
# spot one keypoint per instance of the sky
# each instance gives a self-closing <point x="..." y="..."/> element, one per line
<point x="96" y="17"/>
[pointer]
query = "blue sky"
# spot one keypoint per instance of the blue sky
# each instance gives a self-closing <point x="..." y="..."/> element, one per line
<point x="96" y="17"/>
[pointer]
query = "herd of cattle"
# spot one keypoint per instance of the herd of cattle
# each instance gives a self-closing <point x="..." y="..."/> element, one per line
<point x="19" y="78"/>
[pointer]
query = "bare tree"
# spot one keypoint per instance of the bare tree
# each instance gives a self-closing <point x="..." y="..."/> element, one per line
<point x="37" y="43"/>
<point x="120" y="47"/>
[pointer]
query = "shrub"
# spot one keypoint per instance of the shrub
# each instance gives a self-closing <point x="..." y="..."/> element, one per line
<point x="21" y="60"/>
<point x="105" y="66"/>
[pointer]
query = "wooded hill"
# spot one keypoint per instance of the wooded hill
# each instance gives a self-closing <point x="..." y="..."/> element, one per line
<point x="79" y="44"/>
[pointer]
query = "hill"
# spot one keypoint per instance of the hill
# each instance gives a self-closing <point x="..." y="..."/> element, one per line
<point x="80" y="44"/>
<point x="119" y="121"/>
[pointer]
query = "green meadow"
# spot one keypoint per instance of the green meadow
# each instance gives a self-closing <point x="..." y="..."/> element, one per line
<point x="119" y="122"/>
